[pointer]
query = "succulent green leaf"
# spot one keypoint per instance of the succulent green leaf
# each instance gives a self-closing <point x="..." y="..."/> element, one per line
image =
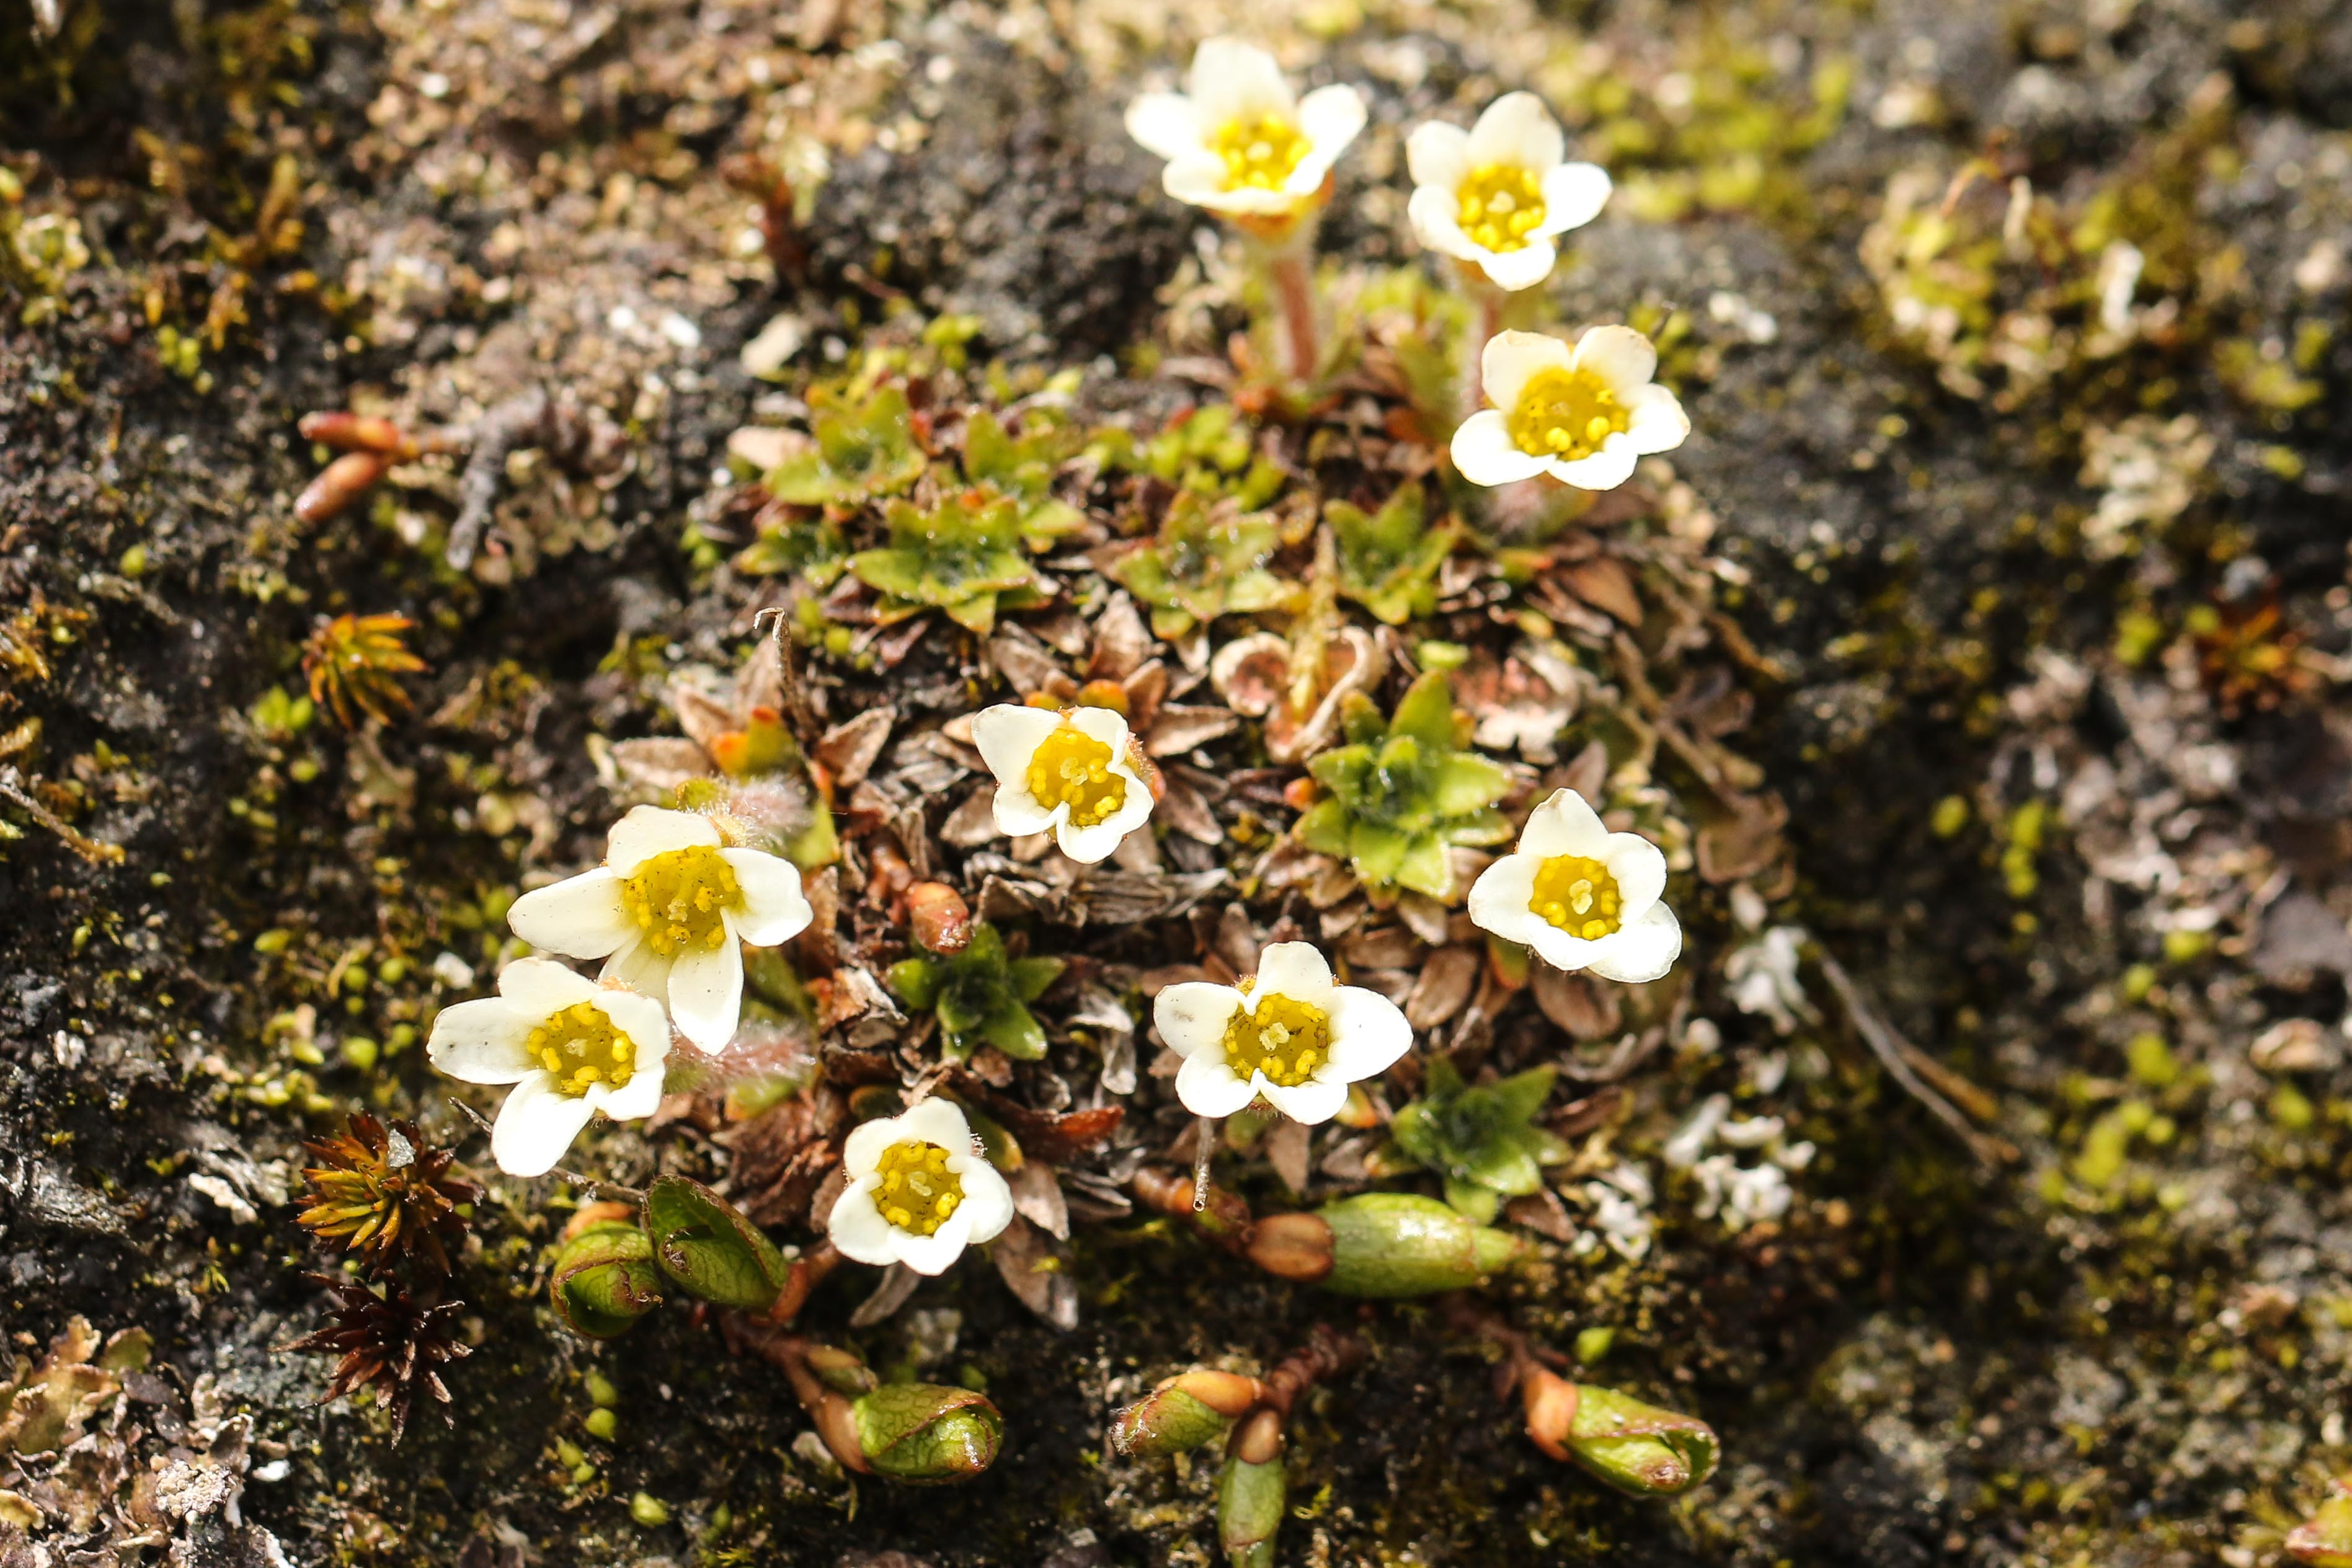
<point x="1394" y="1244"/>
<point x="1014" y="1031"/>
<point x="1032" y="977"/>
<point x="916" y="982"/>
<point x="706" y="1246"/>
<point x="1389" y="559"/>
<point x="1638" y="1447"/>
<point x="604" y="1279"/>
<point x="1250" y="1505"/>
<point x="928" y="1432"/>
<point x="863" y="451"/>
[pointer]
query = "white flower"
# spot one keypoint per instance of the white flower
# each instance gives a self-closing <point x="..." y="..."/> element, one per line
<point x="919" y="1191"/>
<point x="1581" y="896"/>
<point x="1582" y="415"/>
<point x="1289" y="1034"/>
<point x="569" y="1047"/>
<point x="666" y="912"/>
<point x="1495" y="195"/>
<point x="1764" y="980"/>
<point x="1235" y="139"/>
<point x="1070" y="771"/>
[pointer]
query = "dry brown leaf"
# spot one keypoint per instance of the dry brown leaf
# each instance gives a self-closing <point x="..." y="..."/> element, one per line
<point x="1443" y="987"/>
<point x="849" y="748"/>
<point x="1034" y="1268"/>
<point x="1286" y="1147"/>
<point x="1585" y="1010"/>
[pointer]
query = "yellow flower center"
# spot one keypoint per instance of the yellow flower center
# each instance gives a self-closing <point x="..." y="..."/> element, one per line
<point x="1501" y="203"/>
<point x="583" y="1049"/>
<point x="676" y="898"/>
<point x="1283" y="1038"/>
<point x="1578" y="896"/>
<point x="917" y="1191"/>
<point x="1260" y="151"/>
<point x="1073" y="769"/>
<point x="1567" y="415"/>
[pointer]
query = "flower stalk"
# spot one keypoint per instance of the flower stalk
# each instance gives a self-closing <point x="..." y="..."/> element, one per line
<point x="923" y="1433"/>
<point x="1376" y="1245"/>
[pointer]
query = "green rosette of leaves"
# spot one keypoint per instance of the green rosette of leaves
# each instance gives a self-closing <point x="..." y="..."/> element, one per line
<point x="1482" y="1141"/>
<point x="1389" y="559"/>
<point x="1404" y="792"/>
<point x="1209" y="558"/>
<point x="865" y="449"/>
<point x="981" y="995"/>
<point x="1021" y="469"/>
<point x="963" y="558"/>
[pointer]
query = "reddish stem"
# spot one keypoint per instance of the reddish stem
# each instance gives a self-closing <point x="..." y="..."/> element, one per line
<point x="1293" y="288"/>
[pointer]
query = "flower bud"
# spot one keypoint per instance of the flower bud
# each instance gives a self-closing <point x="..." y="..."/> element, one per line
<point x="2325" y="1540"/>
<point x="1391" y="1244"/>
<point x="605" y="1278"/>
<point x="1633" y="1446"/>
<point x="1251" y="1493"/>
<point x="338" y="484"/>
<point x="346" y="431"/>
<point x="927" y="1431"/>
<point x="938" y="918"/>
<point x="1182" y="1413"/>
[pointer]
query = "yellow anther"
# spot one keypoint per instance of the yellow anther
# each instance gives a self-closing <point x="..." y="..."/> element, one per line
<point x="679" y="899"/>
<point x="1566" y="414"/>
<point x="1577" y="895"/>
<point x="1072" y="767"/>
<point x="1260" y="151"/>
<point x="581" y="1048"/>
<point x="1501" y="205"/>
<point x="1284" y="1039"/>
<point x="918" y="1191"/>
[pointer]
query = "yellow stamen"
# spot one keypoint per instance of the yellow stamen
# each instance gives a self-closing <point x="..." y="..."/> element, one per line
<point x="1260" y="151"/>
<point x="679" y="899"/>
<point x="1501" y="205"/>
<point x="1577" y="895"/>
<point x="918" y="1191"/>
<point x="1283" y="1038"/>
<point x="1566" y="414"/>
<point x="582" y="1048"/>
<point x="1073" y="769"/>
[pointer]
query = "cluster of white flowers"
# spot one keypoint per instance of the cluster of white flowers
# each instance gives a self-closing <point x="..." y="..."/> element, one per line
<point x="667" y="912"/>
<point x="1493" y="198"/>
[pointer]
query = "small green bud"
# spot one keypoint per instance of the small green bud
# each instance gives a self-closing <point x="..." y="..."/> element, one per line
<point x="706" y="1246"/>
<point x="602" y="1424"/>
<point x="604" y="1280"/>
<point x="2325" y="1540"/>
<point x="1636" y="1447"/>
<point x="927" y="1431"/>
<point x="1593" y="1343"/>
<point x="1251" y="1492"/>
<point x="600" y="1388"/>
<point x="1390" y="1244"/>
<point x="648" y="1510"/>
<point x="1181" y="1413"/>
<point x="569" y="1454"/>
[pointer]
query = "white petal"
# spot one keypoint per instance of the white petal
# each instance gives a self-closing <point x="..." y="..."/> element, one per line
<point x="1088" y="846"/>
<point x="1639" y="867"/>
<point x="1573" y="196"/>
<point x="773" y="908"/>
<point x="641" y="1096"/>
<point x="1008" y="734"/>
<point x="1312" y="1103"/>
<point x="1100" y="724"/>
<point x="535" y="1126"/>
<point x="1231" y="80"/>
<point x="1564" y="825"/>
<point x="1329" y="118"/>
<point x="936" y="1121"/>
<point x="932" y="1254"/>
<point x="580" y="917"/>
<point x="1018" y="814"/>
<point x="857" y="1229"/>
<point x="1510" y="357"/>
<point x="1208" y="1087"/>
<point x="1521" y="269"/>
<point x="1249" y="199"/>
<point x="1656" y="422"/>
<point x="1197" y="178"/>
<point x="483" y="1041"/>
<point x="1295" y="969"/>
<point x="1604" y="470"/>
<point x="540" y="986"/>
<point x="706" y="993"/>
<point x="986" y="1198"/>
<point x="1484" y="454"/>
<point x="1192" y="1016"/>
<point x="1438" y="154"/>
<point x="640" y="968"/>
<point x="650" y="831"/>
<point x="1517" y="129"/>
<point x="1620" y="356"/>
<point x="1557" y="947"/>
<point x="1643" y="951"/>
<point x="1435" y="215"/>
<point x="1499" y="898"/>
<point x="1166" y="123"/>
<point x="642" y="1018"/>
<point x="1368" y="1033"/>
<point x="861" y="1152"/>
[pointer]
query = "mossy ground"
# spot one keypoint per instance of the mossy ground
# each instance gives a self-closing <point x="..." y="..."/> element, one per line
<point x="2029" y="807"/>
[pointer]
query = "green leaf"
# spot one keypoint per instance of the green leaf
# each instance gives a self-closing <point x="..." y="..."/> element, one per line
<point x="1475" y="1203"/>
<point x="1031" y="977"/>
<point x="1324" y="828"/>
<point x="704" y="1243"/>
<point x="1520" y="1097"/>
<point x="604" y="1279"/>
<point x="1378" y="853"/>
<point x="898" y="571"/>
<point x="916" y="982"/>
<point x="1014" y="1031"/>
<point x="1467" y="782"/>
<point x="1426" y="868"/>
<point x="1425" y="712"/>
<point x="976" y="613"/>
<point x="927" y="1431"/>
